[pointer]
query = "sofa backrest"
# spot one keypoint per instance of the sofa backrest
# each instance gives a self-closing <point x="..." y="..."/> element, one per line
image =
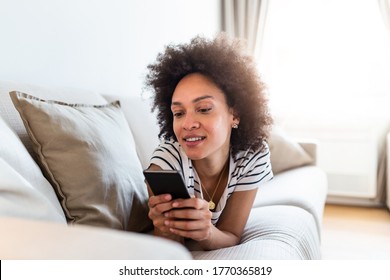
<point x="143" y="124"/>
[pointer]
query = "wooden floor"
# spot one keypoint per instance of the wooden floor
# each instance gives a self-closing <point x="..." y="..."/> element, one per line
<point x="355" y="233"/>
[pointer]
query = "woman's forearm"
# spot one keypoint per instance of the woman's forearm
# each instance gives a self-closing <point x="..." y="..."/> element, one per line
<point x="219" y="239"/>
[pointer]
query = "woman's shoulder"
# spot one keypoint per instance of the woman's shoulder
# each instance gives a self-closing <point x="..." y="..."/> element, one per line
<point x="168" y="144"/>
<point x="169" y="155"/>
<point x="253" y="154"/>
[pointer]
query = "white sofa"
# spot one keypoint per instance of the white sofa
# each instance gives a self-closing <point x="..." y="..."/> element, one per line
<point x="285" y="222"/>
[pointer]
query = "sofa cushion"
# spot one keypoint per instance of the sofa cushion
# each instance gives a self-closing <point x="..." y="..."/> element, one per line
<point x="16" y="156"/>
<point x="285" y="152"/>
<point x="19" y="198"/>
<point x="88" y="155"/>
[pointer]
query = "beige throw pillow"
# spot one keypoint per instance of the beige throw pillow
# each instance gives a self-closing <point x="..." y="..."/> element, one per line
<point x="86" y="153"/>
<point x="285" y="152"/>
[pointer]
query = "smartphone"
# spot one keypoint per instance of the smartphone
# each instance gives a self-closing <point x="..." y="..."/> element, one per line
<point x="167" y="181"/>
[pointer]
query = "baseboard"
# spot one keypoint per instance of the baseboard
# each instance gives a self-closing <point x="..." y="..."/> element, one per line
<point x="353" y="201"/>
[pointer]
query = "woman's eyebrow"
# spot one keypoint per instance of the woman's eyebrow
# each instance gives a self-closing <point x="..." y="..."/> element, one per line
<point x="200" y="98"/>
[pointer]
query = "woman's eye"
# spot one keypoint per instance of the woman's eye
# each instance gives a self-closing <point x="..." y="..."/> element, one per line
<point x="177" y="114"/>
<point x="204" y="110"/>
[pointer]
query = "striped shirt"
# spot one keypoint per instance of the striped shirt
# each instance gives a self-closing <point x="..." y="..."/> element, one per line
<point x="246" y="172"/>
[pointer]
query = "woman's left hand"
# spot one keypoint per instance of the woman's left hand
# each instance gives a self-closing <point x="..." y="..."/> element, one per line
<point x="190" y="218"/>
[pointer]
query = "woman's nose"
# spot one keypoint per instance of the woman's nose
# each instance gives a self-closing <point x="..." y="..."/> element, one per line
<point x="190" y="122"/>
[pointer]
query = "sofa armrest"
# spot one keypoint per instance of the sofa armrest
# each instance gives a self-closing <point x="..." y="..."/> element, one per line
<point x="310" y="147"/>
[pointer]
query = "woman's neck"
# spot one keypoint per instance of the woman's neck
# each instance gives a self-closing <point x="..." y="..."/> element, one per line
<point x="210" y="169"/>
<point x="213" y="179"/>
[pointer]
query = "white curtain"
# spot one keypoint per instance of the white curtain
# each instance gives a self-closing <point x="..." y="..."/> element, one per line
<point x="245" y="19"/>
<point x="384" y="6"/>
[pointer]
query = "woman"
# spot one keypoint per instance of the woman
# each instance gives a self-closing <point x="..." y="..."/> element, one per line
<point x="214" y="122"/>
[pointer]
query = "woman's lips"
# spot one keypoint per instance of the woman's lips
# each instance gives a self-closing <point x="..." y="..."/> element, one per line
<point x="193" y="140"/>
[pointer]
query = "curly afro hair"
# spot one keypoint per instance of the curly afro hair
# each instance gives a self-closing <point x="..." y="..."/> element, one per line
<point x="225" y="62"/>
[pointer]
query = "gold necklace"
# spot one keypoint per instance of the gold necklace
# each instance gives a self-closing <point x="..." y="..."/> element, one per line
<point x="211" y="202"/>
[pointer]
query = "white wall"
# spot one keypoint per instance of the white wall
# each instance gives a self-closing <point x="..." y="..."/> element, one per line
<point x="101" y="45"/>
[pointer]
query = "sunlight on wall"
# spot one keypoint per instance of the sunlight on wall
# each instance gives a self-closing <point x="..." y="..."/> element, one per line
<point x="323" y="58"/>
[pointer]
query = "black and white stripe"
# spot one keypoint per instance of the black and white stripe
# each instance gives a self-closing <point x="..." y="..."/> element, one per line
<point x="248" y="171"/>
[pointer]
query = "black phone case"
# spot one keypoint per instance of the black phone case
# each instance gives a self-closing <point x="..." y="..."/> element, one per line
<point x="167" y="181"/>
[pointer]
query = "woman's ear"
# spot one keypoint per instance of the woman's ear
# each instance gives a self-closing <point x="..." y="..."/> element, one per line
<point x="236" y="117"/>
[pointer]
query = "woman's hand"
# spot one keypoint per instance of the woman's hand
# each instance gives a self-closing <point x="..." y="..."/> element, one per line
<point x="158" y="205"/>
<point x="189" y="218"/>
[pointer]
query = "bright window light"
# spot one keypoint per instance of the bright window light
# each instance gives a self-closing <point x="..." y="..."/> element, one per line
<point x="321" y="55"/>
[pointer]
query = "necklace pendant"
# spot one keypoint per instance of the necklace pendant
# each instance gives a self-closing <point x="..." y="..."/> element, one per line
<point x="211" y="205"/>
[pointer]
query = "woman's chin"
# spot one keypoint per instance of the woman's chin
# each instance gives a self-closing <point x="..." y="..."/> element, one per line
<point x="194" y="155"/>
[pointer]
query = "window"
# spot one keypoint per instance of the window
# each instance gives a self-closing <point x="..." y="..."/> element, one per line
<point x="321" y="56"/>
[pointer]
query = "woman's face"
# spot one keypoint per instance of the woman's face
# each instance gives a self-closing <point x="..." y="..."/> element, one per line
<point x="202" y="120"/>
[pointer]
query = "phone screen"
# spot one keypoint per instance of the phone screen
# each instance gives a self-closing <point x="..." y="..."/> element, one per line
<point x="167" y="181"/>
